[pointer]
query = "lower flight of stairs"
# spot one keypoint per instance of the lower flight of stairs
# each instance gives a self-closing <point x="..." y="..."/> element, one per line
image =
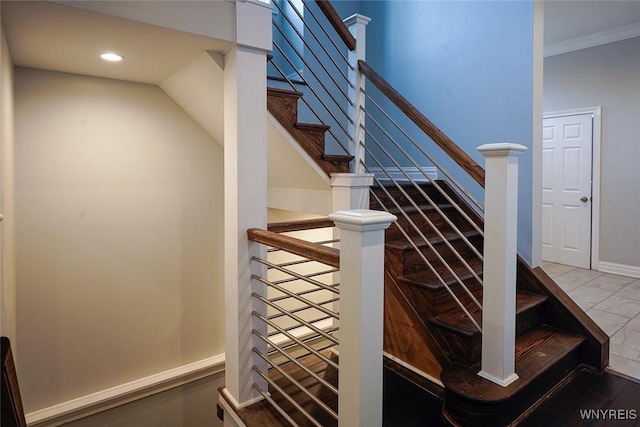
<point x="545" y="354"/>
<point x="283" y="105"/>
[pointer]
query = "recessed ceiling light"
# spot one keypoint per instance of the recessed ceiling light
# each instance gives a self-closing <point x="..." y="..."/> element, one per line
<point x="113" y="57"/>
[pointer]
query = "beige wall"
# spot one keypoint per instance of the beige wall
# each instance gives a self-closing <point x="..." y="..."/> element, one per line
<point x="191" y="405"/>
<point x="607" y="76"/>
<point x="7" y="226"/>
<point x="119" y="239"/>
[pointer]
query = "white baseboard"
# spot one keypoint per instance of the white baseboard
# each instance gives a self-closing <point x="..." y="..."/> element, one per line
<point x="613" y="268"/>
<point x="94" y="403"/>
<point x="110" y="398"/>
<point x="398" y="175"/>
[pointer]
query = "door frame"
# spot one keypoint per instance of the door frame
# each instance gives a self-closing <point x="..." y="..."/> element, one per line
<point x="596" y="113"/>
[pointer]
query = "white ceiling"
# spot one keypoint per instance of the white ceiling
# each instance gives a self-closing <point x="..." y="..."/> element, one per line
<point x="565" y="20"/>
<point x="55" y="37"/>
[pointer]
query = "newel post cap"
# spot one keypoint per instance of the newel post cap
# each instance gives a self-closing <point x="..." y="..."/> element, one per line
<point x="356" y="18"/>
<point x="362" y="219"/>
<point x="502" y="149"/>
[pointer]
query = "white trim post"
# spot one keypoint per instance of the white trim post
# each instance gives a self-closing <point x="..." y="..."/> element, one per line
<point x="499" y="273"/>
<point x="350" y="190"/>
<point x="361" y="319"/>
<point x="245" y="198"/>
<point x="358" y="27"/>
<point x="245" y="190"/>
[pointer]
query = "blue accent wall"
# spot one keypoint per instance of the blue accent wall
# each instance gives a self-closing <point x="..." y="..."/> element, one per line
<point x="468" y="67"/>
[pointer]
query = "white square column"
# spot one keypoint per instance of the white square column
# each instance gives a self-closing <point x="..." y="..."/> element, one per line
<point x="245" y="183"/>
<point x="499" y="272"/>
<point x="362" y="314"/>
<point x="245" y="197"/>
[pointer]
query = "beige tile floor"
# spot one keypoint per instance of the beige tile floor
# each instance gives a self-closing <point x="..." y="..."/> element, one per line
<point x="613" y="302"/>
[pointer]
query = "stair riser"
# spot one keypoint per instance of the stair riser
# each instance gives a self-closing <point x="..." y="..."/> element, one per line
<point x="408" y="261"/>
<point x="423" y="225"/>
<point x="466" y="412"/>
<point x="284" y="109"/>
<point x="467" y="350"/>
<point x="412" y="192"/>
<point x="433" y="301"/>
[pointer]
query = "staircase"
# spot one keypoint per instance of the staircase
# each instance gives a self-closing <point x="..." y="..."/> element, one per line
<point x="434" y="270"/>
<point x="544" y="354"/>
<point x="283" y="105"/>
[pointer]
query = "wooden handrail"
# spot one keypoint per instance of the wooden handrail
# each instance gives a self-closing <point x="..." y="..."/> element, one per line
<point x="299" y="225"/>
<point x="335" y="21"/>
<point x="443" y="141"/>
<point x="313" y="251"/>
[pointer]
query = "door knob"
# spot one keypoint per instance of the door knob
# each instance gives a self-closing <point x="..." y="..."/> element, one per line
<point x="584" y="199"/>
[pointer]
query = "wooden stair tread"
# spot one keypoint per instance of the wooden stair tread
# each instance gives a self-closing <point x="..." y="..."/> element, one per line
<point x="536" y="352"/>
<point x="337" y="158"/>
<point x="283" y="93"/>
<point x="283" y="105"/>
<point x="426" y="279"/>
<point x="457" y="321"/>
<point x="401" y="242"/>
<point x="312" y="127"/>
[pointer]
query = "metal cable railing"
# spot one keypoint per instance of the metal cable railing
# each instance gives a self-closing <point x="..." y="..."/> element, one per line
<point x="459" y="187"/>
<point x="301" y="296"/>
<point x="449" y="251"/>
<point x="302" y="39"/>
<point x="422" y="256"/>
<point x="391" y="146"/>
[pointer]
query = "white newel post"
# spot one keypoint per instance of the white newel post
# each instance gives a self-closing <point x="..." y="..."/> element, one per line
<point x="358" y="26"/>
<point x="350" y="190"/>
<point x="361" y="317"/>
<point x="245" y="198"/>
<point x="500" y="250"/>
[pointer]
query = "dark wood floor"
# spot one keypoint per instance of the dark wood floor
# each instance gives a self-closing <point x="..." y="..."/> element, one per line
<point x="590" y="399"/>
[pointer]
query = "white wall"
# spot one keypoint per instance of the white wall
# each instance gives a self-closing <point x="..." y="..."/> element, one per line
<point x="119" y="239"/>
<point x="607" y="76"/>
<point x="7" y="226"/>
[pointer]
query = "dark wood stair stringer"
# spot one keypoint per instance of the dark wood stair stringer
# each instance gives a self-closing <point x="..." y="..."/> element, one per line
<point x="283" y="105"/>
<point x="552" y="351"/>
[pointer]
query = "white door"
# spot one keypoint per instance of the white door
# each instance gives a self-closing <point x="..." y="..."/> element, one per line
<point x="566" y="189"/>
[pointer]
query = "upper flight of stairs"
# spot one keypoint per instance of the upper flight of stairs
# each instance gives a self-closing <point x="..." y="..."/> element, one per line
<point x="545" y="354"/>
<point x="283" y="105"/>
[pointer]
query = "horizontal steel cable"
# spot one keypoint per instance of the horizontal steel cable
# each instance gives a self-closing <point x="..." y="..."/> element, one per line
<point x="294" y="274"/>
<point x="295" y="339"/>
<point x="310" y="49"/>
<point x="296" y="318"/>
<point x="322" y="27"/>
<point x="304" y="100"/>
<point x="421" y="255"/>
<point x="426" y="154"/>
<point x="293" y="360"/>
<point x="275" y="406"/>
<point x="435" y="206"/>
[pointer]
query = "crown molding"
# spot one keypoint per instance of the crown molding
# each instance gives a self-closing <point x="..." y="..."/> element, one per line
<point x="591" y="40"/>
